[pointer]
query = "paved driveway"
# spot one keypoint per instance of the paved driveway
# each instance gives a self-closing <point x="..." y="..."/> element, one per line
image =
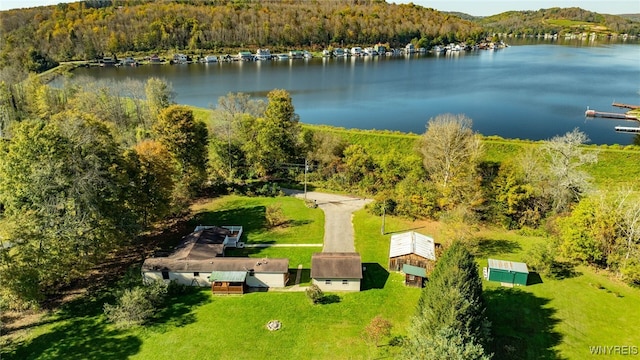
<point x="338" y="214"/>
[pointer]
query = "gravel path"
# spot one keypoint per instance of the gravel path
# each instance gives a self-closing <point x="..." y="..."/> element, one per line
<point x="338" y="225"/>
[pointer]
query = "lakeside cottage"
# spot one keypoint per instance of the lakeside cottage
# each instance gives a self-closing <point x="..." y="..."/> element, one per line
<point x="199" y="261"/>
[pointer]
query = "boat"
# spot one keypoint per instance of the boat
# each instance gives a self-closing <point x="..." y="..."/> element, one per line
<point x="307" y="55"/>
<point x="296" y="54"/>
<point x="356" y="51"/>
<point x="210" y="59"/>
<point x="339" y="52"/>
<point x="129" y="61"/>
<point x="409" y="49"/>
<point x="438" y="49"/>
<point x="370" y="51"/>
<point x="263" y="54"/>
<point x="326" y="53"/>
<point x="282" y="57"/>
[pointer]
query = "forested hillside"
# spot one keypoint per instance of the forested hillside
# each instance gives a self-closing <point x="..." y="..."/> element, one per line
<point x="84" y="30"/>
<point x="558" y="21"/>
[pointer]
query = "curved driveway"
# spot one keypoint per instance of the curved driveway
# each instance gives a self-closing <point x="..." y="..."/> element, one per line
<point x="338" y="214"/>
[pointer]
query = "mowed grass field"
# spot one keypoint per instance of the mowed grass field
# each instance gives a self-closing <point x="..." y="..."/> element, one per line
<point x="547" y="320"/>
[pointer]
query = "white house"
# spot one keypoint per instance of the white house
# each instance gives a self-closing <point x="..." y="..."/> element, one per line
<point x="336" y="271"/>
<point x="233" y="273"/>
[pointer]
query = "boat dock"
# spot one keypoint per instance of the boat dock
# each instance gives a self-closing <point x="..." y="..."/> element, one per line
<point x="610" y="115"/>
<point x="627" y="129"/>
<point x="626" y="106"/>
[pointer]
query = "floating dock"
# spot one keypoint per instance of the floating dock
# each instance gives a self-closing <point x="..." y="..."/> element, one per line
<point x="610" y="115"/>
<point x="627" y="129"/>
<point x="626" y="106"/>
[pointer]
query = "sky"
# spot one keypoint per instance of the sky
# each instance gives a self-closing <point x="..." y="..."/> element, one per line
<point x="477" y="7"/>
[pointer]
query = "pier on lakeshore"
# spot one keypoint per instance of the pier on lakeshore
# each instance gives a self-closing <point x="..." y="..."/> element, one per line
<point x="625" y="106"/>
<point x="610" y="115"/>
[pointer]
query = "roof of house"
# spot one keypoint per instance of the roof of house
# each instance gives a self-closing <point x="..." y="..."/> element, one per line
<point x="508" y="265"/>
<point x="338" y="265"/>
<point x="414" y="270"/>
<point x="201" y="244"/>
<point x="230" y="264"/>
<point x="412" y="243"/>
<point x="230" y="276"/>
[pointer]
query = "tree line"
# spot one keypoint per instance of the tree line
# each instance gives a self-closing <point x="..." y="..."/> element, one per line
<point x="83" y="171"/>
<point x="86" y="30"/>
<point x="558" y="21"/>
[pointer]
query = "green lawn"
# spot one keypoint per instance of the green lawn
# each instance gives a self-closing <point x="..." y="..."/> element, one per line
<point x="304" y="225"/>
<point x="547" y="320"/>
<point x="556" y="318"/>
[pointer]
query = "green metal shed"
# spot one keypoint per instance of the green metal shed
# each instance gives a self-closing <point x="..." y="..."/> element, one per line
<point x="508" y="272"/>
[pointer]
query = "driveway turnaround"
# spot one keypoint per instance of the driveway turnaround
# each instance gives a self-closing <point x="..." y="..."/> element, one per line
<point x="338" y="214"/>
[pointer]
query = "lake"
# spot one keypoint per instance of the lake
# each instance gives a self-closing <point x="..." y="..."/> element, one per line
<point x="525" y="91"/>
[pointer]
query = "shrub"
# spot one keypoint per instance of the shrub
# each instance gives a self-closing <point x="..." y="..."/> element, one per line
<point x="133" y="309"/>
<point x="541" y="258"/>
<point x="377" y="329"/>
<point x="315" y="294"/>
<point x="137" y="305"/>
<point x="274" y="215"/>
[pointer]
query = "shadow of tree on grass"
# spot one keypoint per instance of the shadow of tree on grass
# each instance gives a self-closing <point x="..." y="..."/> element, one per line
<point x="522" y="325"/>
<point x="81" y="332"/>
<point x="177" y="308"/>
<point x="488" y="247"/>
<point x="251" y="218"/>
<point x="329" y="299"/>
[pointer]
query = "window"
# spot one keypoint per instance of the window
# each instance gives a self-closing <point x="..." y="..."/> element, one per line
<point x="412" y="278"/>
<point x="196" y="274"/>
<point x="345" y="282"/>
<point x="165" y="275"/>
<point x="327" y="282"/>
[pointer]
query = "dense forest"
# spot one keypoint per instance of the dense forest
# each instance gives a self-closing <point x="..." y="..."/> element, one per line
<point x="36" y="39"/>
<point x="558" y="21"/>
<point x="85" y="30"/>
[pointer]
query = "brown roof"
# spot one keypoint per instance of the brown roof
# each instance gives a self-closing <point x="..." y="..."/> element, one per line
<point x="203" y="244"/>
<point x="336" y="266"/>
<point x="259" y="265"/>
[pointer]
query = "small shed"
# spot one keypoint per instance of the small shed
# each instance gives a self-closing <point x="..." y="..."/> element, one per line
<point x="507" y="272"/>
<point x="411" y="248"/>
<point x="339" y="271"/>
<point x="413" y="275"/>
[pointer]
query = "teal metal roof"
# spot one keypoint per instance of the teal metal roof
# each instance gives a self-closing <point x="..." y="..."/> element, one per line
<point x="230" y="276"/>
<point x="414" y="270"/>
<point x="508" y="266"/>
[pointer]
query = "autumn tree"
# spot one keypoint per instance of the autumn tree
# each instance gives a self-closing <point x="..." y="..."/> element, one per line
<point x="451" y="152"/>
<point x="159" y="96"/>
<point x="62" y="186"/>
<point x="152" y="171"/>
<point x="234" y="113"/>
<point x="273" y="139"/>
<point x="566" y="157"/>
<point x="186" y="140"/>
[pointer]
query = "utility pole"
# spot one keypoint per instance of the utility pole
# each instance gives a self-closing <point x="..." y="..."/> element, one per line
<point x="306" y="168"/>
<point x="384" y="210"/>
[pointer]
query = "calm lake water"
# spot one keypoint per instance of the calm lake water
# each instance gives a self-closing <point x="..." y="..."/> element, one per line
<point x="525" y="91"/>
